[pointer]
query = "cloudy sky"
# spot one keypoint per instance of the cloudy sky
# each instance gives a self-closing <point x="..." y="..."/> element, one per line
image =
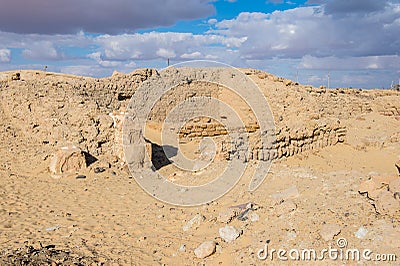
<point x="356" y="41"/>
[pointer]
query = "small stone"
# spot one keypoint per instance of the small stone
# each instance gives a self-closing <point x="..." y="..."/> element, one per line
<point x="205" y="249"/>
<point x="361" y="232"/>
<point x="54" y="228"/>
<point x="398" y="166"/>
<point x="98" y="170"/>
<point x="16" y="76"/>
<point x="227" y="215"/>
<point x="291" y="235"/>
<point x="254" y="217"/>
<point x="194" y="222"/>
<point x="80" y="177"/>
<point x="142" y="238"/>
<point x="229" y="233"/>
<point x="329" y="231"/>
<point x="182" y="248"/>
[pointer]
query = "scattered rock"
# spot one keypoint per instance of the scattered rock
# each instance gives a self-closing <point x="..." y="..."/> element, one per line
<point x="227" y="215"/>
<point x="289" y="193"/>
<point x="182" y="248"/>
<point x="194" y="222"/>
<point x="16" y="76"/>
<point x="67" y="160"/>
<point x="329" y="231"/>
<point x="361" y="232"/>
<point x="98" y="170"/>
<point x="80" y="177"/>
<point x="53" y="228"/>
<point x="288" y="82"/>
<point x="229" y="233"/>
<point x="254" y="217"/>
<point x="205" y="249"/>
<point x="398" y="166"/>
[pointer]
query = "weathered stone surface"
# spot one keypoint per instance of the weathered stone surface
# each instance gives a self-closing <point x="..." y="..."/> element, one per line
<point x="67" y="160"/>
<point x="194" y="223"/>
<point x="394" y="185"/>
<point x="229" y="233"/>
<point x="371" y="187"/>
<point x="385" y="203"/>
<point x="225" y="216"/>
<point x="329" y="231"/>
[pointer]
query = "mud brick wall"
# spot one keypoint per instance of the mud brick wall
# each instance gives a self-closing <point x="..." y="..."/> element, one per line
<point x="288" y="142"/>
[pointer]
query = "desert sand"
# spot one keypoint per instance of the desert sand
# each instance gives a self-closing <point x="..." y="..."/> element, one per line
<point x="334" y="176"/>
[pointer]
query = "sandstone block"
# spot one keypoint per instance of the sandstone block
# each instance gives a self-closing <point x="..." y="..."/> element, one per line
<point x="67" y="160"/>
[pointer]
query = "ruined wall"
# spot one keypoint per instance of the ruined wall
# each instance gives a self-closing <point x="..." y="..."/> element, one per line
<point x="47" y="110"/>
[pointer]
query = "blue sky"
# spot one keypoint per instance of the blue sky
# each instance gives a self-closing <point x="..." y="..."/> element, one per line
<point x="356" y="41"/>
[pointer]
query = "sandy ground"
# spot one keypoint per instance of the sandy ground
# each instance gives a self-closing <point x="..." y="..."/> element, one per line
<point x="107" y="219"/>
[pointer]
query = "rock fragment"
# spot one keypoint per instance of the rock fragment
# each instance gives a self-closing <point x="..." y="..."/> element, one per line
<point x="205" y="250"/>
<point x="67" y="160"/>
<point x="194" y="222"/>
<point x="229" y="233"/>
<point x="254" y="217"/>
<point x="361" y="232"/>
<point x="227" y="215"/>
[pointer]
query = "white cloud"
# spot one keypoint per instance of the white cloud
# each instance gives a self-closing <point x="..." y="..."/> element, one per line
<point x="153" y="45"/>
<point x="5" y="56"/>
<point x="194" y="55"/>
<point x="42" y="50"/>
<point x="212" y="21"/>
<point x="309" y="30"/>
<point x="350" y="63"/>
<point x="104" y="63"/>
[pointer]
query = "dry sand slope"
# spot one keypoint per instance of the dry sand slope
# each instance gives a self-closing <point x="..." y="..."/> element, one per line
<point x="331" y="142"/>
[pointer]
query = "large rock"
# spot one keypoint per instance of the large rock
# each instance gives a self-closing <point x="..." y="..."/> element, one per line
<point x="67" y="160"/>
